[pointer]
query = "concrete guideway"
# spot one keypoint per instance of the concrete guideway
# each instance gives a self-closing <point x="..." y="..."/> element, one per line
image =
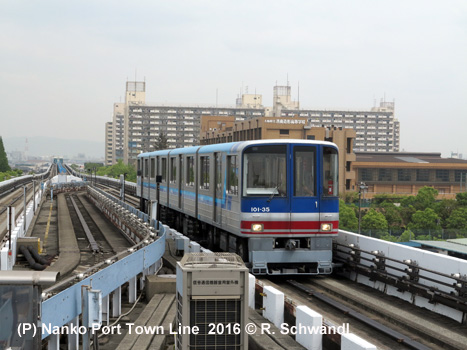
<point x="69" y="253"/>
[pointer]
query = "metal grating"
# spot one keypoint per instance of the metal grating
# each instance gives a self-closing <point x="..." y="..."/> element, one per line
<point x="217" y="316"/>
<point x="212" y="260"/>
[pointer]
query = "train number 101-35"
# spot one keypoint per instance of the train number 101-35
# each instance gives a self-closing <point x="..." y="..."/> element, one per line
<point x="260" y="209"/>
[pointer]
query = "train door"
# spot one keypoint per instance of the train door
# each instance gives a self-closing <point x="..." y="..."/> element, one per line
<point x="305" y="207"/>
<point x="329" y="213"/>
<point x="180" y="182"/>
<point x="217" y="196"/>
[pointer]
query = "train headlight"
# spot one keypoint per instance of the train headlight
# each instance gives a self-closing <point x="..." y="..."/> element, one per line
<point x="257" y="227"/>
<point x="326" y="227"/>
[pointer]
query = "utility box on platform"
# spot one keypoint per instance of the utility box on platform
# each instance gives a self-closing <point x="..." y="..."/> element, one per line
<point x="212" y="308"/>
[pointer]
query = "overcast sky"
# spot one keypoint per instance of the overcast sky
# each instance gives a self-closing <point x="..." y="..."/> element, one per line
<point x="64" y="63"/>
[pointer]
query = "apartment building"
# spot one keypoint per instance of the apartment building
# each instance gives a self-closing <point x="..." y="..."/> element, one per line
<point x="137" y="124"/>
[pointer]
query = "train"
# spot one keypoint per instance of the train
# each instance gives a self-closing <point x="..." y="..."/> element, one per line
<point x="273" y="202"/>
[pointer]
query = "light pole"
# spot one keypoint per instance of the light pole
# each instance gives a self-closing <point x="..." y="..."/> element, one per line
<point x="362" y="187"/>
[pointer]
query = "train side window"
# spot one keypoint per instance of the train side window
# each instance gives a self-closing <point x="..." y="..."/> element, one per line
<point x="139" y="166"/>
<point x="146" y="168"/>
<point x="330" y="172"/>
<point x="218" y="158"/>
<point x="190" y="171"/>
<point x="204" y="173"/>
<point x="173" y="170"/>
<point x="304" y="171"/>
<point x="153" y="167"/>
<point x="164" y="169"/>
<point x="232" y="175"/>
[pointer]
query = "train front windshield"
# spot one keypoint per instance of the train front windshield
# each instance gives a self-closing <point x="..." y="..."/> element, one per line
<point x="265" y="171"/>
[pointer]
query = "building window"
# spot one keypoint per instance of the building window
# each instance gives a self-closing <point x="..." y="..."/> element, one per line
<point x="385" y="175"/>
<point x="460" y="176"/>
<point x="366" y="175"/>
<point x="442" y="175"/>
<point x="284" y="131"/>
<point x="403" y="175"/>
<point x="232" y="175"/>
<point x="310" y="137"/>
<point x="349" y="145"/>
<point x="423" y="175"/>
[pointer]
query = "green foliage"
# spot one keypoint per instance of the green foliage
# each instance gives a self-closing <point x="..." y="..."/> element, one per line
<point x="445" y="208"/>
<point x="425" y="198"/>
<point x="461" y="199"/>
<point x="426" y="219"/>
<point x="374" y="220"/>
<point x="406" y="236"/>
<point x="349" y="197"/>
<point x="458" y="219"/>
<point x="385" y="197"/>
<point x="392" y="215"/>
<point x="116" y="170"/>
<point x="347" y="218"/>
<point x="4" y="167"/>
<point x="10" y="174"/>
<point x="388" y="237"/>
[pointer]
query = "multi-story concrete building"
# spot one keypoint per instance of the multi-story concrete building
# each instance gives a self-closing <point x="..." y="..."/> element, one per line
<point x="377" y="130"/>
<point x="137" y="124"/>
<point x="109" y="149"/>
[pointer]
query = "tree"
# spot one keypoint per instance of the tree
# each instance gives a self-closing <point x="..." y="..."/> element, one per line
<point x="374" y="220"/>
<point x="425" y="198"/>
<point x="458" y="219"/>
<point x="3" y="159"/>
<point x="161" y="142"/>
<point x="445" y="208"/>
<point x="392" y="215"/>
<point x="406" y="236"/>
<point x="424" y="220"/>
<point x="347" y="218"/>
<point x="461" y="198"/>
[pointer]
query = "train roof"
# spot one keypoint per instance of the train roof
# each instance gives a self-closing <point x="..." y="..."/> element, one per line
<point x="232" y="146"/>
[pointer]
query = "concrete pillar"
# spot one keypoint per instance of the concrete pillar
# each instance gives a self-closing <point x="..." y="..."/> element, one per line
<point x="73" y="339"/>
<point x="251" y="290"/>
<point x="117" y="302"/>
<point x="105" y="310"/>
<point x="273" y="304"/>
<point x="132" y="290"/>
<point x="53" y="342"/>
<point x="351" y="341"/>
<point x="307" y="320"/>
